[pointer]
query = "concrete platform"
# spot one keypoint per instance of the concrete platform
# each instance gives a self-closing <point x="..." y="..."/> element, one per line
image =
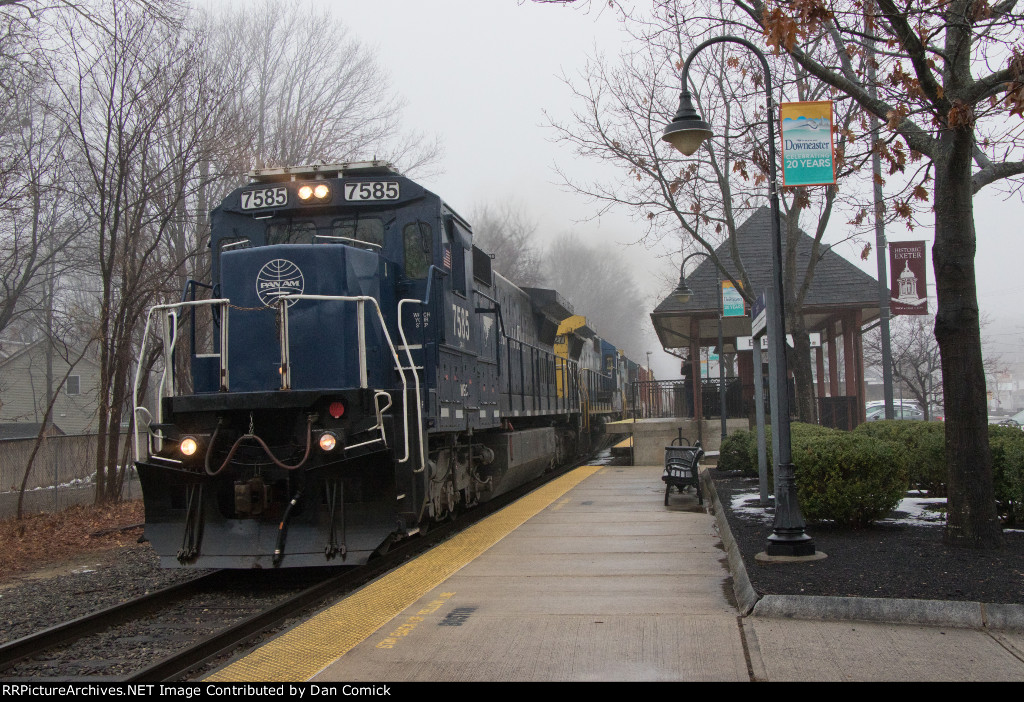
<point x="591" y="578"/>
<point x="602" y="582"/>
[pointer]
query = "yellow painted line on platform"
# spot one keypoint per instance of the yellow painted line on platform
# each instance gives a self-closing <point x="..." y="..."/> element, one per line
<point x="302" y="652"/>
<point x="625" y="443"/>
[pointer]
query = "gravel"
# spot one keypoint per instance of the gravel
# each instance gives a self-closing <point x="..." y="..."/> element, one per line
<point x="898" y="557"/>
<point x="45" y="598"/>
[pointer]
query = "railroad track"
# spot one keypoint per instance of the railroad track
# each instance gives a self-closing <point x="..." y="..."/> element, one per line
<point x="168" y="634"/>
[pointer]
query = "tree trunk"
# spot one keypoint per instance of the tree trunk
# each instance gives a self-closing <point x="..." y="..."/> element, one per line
<point x="800" y="365"/>
<point x="971" y="518"/>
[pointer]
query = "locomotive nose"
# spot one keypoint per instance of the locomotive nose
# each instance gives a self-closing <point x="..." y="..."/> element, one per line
<point x="319" y="345"/>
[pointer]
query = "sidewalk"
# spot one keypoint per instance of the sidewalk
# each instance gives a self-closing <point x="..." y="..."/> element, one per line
<point x="793" y="638"/>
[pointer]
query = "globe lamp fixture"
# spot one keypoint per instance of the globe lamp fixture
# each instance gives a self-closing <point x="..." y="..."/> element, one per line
<point x="687" y="131"/>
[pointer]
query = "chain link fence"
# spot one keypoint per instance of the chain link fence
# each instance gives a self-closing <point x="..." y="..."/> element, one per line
<point x="63" y="473"/>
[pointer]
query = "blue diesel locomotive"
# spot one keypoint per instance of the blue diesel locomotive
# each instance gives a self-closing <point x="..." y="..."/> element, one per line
<point x="353" y="371"/>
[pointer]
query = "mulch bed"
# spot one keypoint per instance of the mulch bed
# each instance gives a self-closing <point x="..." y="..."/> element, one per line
<point x="885" y="560"/>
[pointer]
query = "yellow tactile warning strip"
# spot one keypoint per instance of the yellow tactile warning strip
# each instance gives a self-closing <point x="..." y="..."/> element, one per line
<point x="304" y="651"/>
<point x="625" y="443"/>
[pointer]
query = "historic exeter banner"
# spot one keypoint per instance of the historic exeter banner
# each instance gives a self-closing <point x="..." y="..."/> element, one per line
<point x="908" y="281"/>
<point x="807" y="146"/>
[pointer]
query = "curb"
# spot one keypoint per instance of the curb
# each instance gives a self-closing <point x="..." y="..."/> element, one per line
<point x="965" y="615"/>
<point x="746" y="595"/>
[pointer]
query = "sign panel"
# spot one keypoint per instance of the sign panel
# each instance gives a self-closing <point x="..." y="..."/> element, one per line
<point x="807" y="146"/>
<point x="732" y="302"/>
<point x="746" y="343"/>
<point x="760" y="319"/>
<point x="908" y="281"/>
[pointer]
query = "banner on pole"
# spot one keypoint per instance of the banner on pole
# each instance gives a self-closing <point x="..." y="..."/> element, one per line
<point x="732" y="301"/>
<point x="807" y="145"/>
<point x="908" y="278"/>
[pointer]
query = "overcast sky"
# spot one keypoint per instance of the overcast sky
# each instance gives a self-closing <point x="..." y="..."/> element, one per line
<point x="481" y="76"/>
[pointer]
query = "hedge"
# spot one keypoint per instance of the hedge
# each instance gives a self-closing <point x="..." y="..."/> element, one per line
<point x="848" y="478"/>
<point x="925" y="442"/>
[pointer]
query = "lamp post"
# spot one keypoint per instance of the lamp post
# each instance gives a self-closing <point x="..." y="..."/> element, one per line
<point x="686" y="132"/>
<point x="682" y="293"/>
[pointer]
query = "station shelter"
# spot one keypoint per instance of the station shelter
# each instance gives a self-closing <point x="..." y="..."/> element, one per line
<point x="840" y="305"/>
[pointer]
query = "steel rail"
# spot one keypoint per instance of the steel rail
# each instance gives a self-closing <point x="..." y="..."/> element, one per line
<point x="15" y="651"/>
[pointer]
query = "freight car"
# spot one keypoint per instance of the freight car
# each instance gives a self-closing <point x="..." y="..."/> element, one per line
<point x="353" y="371"/>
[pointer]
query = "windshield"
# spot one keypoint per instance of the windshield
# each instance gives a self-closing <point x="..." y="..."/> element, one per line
<point x="367" y="230"/>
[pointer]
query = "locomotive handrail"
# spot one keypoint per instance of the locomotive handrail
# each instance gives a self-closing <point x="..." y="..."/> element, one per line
<point x="170" y="337"/>
<point x="412" y="364"/>
<point x="360" y="301"/>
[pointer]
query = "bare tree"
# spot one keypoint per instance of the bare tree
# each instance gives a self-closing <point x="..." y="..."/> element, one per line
<point x="509" y="236"/>
<point x="120" y="91"/>
<point x="625" y="104"/>
<point x="917" y="361"/>
<point x="39" y="227"/>
<point x="592" y="278"/>
<point x="308" y="91"/>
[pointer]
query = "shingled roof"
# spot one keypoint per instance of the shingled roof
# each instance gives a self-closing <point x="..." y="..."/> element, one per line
<point x="838" y="286"/>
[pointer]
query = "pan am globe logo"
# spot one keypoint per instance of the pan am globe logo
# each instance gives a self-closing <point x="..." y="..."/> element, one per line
<point x="277" y="278"/>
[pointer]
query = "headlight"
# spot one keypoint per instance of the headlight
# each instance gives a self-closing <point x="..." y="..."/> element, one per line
<point x="305" y="192"/>
<point x="188" y="446"/>
<point x="321" y="191"/>
<point x="328" y="441"/>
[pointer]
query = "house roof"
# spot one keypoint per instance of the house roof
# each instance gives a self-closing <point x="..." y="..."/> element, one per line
<point x="10" y="431"/>
<point x="26" y="349"/>
<point x="838" y="286"/>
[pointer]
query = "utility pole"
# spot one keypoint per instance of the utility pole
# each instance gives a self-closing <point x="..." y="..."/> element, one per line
<point x="881" y="252"/>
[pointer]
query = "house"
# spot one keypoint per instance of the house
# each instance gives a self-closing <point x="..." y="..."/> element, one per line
<point x="23" y="387"/>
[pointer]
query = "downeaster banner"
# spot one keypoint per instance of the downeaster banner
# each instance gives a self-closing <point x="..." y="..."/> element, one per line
<point x="807" y="147"/>
<point x="908" y="278"/>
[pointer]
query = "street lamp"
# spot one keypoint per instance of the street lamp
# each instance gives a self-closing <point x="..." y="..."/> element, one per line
<point x="686" y="132"/>
<point x="682" y="293"/>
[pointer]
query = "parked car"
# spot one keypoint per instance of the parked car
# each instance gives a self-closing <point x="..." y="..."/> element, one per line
<point x="877" y="413"/>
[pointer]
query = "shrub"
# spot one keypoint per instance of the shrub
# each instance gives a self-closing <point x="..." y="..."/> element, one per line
<point x="1007" y="444"/>
<point x="925" y="444"/>
<point x="735" y="452"/>
<point x="850" y="478"/>
<point x="739" y="450"/>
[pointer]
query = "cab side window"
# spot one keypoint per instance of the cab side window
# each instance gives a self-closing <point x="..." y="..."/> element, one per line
<point x="417" y="239"/>
<point x="456" y="255"/>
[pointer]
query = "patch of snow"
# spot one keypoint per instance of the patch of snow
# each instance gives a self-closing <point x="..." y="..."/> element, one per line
<point x="748" y="504"/>
<point x="915" y="511"/>
<point x="910" y="510"/>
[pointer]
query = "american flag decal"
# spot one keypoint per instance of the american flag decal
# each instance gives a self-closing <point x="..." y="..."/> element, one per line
<point x="447" y="260"/>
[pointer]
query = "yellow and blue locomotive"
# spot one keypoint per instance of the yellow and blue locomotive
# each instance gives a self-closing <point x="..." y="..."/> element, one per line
<point x="354" y="371"/>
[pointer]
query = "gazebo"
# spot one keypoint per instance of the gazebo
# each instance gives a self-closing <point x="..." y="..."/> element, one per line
<point x="841" y="302"/>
